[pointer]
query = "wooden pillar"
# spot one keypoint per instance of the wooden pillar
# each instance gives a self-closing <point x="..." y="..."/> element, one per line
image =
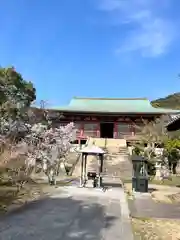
<point x="100" y="169"/>
<point x="85" y="166"/>
<point x="82" y="129"/>
<point x="115" y="129"/>
<point x="132" y="129"/>
<point x="101" y="162"/>
<point x="98" y="130"/>
<point x="82" y="170"/>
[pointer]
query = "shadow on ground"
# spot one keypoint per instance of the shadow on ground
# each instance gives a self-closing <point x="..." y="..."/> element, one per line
<point x="61" y="217"/>
<point x="113" y="185"/>
<point x="150" y="190"/>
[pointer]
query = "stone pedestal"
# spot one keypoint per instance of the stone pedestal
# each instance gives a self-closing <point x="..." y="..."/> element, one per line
<point x="158" y="167"/>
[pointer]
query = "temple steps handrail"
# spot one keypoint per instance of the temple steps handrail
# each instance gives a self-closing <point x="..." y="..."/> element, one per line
<point x="93" y="133"/>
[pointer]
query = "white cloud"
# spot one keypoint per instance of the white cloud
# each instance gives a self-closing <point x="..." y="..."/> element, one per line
<point x="150" y="33"/>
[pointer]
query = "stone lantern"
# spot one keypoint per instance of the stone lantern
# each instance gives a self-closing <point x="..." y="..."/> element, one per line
<point x="140" y="174"/>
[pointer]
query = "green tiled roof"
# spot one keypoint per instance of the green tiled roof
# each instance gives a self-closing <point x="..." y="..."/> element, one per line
<point x="112" y="105"/>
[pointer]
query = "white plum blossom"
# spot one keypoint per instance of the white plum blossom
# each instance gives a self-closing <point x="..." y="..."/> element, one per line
<point x="50" y="146"/>
<point x="42" y="143"/>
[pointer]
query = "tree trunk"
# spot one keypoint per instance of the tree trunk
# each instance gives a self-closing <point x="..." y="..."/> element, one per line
<point x="174" y="165"/>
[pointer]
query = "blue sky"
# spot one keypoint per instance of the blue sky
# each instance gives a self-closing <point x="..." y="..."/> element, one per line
<point x="93" y="48"/>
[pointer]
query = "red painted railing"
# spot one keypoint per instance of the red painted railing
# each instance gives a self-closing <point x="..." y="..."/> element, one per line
<point x="90" y="133"/>
<point x="119" y="135"/>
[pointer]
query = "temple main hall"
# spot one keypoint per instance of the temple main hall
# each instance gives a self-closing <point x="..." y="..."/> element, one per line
<point x="107" y="117"/>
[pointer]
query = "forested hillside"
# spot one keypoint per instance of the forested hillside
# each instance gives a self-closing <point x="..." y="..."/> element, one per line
<point x="171" y="101"/>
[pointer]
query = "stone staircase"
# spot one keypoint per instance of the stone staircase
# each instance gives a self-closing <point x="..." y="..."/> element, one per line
<point x="100" y="142"/>
<point x="106" y="143"/>
<point x="92" y="164"/>
<point x="123" y="151"/>
<point x="111" y="142"/>
<point x="117" y="164"/>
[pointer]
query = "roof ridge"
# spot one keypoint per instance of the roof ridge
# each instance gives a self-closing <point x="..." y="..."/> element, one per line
<point x="95" y="98"/>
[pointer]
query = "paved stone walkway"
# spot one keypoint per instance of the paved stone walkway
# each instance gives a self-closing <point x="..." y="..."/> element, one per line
<point x="71" y="213"/>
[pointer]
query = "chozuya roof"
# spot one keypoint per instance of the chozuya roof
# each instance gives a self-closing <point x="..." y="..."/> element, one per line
<point x="112" y="105"/>
<point x="92" y="149"/>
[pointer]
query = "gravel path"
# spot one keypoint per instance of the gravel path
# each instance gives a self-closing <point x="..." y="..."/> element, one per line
<point x="71" y="213"/>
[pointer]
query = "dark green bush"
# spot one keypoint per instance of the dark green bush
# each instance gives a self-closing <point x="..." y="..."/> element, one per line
<point x="136" y="151"/>
<point x="151" y="168"/>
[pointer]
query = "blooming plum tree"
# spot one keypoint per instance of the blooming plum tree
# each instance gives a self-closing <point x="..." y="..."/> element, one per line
<point x="49" y="146"/>
<point x="23" y="135"/>
<point x="43" y="144"/>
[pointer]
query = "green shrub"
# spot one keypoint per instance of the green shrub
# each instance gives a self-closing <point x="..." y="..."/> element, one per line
<point x="136" y="151"/>
<point x="151" y="168"/>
